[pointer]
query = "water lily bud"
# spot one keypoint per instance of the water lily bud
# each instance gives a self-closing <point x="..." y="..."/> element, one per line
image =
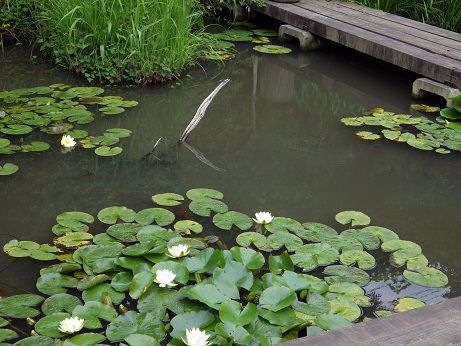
<point x="122" y="309"/>
<point x="30" y="321"/>
<point x="34" y="333"/>
<point x="303" y="294"/>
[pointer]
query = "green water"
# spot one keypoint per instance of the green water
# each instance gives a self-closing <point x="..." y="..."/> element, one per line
<point x="273" y="141"/>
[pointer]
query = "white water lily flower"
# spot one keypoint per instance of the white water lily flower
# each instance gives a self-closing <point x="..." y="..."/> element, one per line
<point x="177" y="251"/>
<point x="165" y="278"/>
<point x="71" y="325"/>
<point x="263" y="217"/>
<point x="196" y="337"/>
<point x="67" y="141"/>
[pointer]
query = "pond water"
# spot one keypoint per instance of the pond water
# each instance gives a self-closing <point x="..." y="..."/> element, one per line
<point x="273" y="140"/>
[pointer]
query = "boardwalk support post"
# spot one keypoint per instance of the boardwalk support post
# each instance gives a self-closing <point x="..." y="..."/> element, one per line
<point x="424" y="86"/>
<point x="307" y="41"/>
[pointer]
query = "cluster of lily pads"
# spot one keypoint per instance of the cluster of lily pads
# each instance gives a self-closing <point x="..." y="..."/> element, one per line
<point x="260" y="37"/>
<point x="420" y="132"/>
<point x="57" y="110"/>
<point x="152" y="278"/>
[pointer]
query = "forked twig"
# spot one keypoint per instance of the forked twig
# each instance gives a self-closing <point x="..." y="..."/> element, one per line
<point x="201" y="111"/>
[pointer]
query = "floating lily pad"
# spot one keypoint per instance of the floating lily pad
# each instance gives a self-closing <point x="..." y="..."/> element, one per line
<point x="249" y="258"/>
<point x="53" y="283"/>
<point x="73" y="239"/>
<point x="370" y="136"/>
<point x="234" y="35"/>
<point x="310" y="256"/>
<point x="356" y="218"/>
<point x="204" y="207"/>
<point x="49" y="325"/>
<point x="248" y="238"/>
<point x="204" y="193"/>
<point x="110" y="215"/>
<point x="160" y="216"/>
<point x="8" y="169"/>
<point x="363" y="259"/>
<point x="272" y="49"/>
<point x="20" y="306"/>
<point x="188" y="226"/>
<point x="284" y="224"/>
<point x="342" y="273"/>
<point x="112" y="110"/>
<point x="107" y="151"/>
<point x="402" y="250"/>
<point x="290" y="241"/>
<point x="35" y="146"/>
<point x="406" y="304"/>
<point x="16" y="129"/>
<point x="60" y="302"/>
<point x="168" y="199"/>
<point x="426" y="277"/>
<point x="276" y="298"/>
<point x="346" y="307"/>
<point x="75" y="220"/>
<point x="93" y="312"/>
<point x="232" y="218"/>
<point x="315" y="232"/>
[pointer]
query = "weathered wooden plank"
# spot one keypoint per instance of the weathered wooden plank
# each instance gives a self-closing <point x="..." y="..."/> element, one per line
<point x="400" y="31"/>
<point x="412" y="58"/>
<point x="438" y="324"/>
<point x="402" y="20"/>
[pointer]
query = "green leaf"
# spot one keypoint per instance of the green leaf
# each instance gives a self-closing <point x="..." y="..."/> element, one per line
<point x="74" y="239"/>
<point x="316" y="305"/>
<point x="203" y="193"/>
<point x="249" y="258"/>
<point x="7" y="334"/>
<point x="363" y="259"/>
<point x="284" y="224"/>
<point x="316" y="232"/>
<point x="110" y="215"/>
<point x="450" y="113"/>
<point x="402" y="250"/>
<point x="346" y="307"/>
<point x="265" y="32"/>
<point x="132" y="322"/>
<point x="60" y="302"/>
<point x="276" y="298"/>
<point x="85" y="339"/>
<point x="426" y="277"/>
<point x="48" y="325"/>
<point x="140" y="283"/>
<point x="160" y="216"/>
<point x="247" y="238"/>
<point x="382" y="233"/>
<point x="92" y="312"/>
<point x="204" y="207"/>
<point x="16" y="129"/>
<point x="20" y="306"/>
<point x="370" y="136"/>
<point x="111" y="110"/>
<point x="417" y="263"/>
<point x="232" y="312"/>
<point x="232" y="218"/>
<point x="406" y="304"/>
<point x="342" y="273"/>
<point x="310" y="256"/>
<point x="121" y="282"/>
<point x="331" y="322"/>
<point x="98" y="292"/>
<point x="351" y="290"/>
<point x="53" y="283"/>
<point x="189" y="320"/>
<point x="290" y="241"/>
<point x="188" y="226"/>
<point x="126" y="232"/>
<point x="168" y="199"/>
<point x="207" y="294"/>
<point x="8" y="169"/>
<point x="368" y="239"/>
<point x="75" y="220"/>
<point x="279" y="263"/>
<point x="141" y="340"/>
<point x="234" y="273"/>
<point x="107" y="151"/>
<point x="357" y="218"/>
<point x="237" y="334"/>
<point x="272" y="49"/>
<point x="205" y="261"/>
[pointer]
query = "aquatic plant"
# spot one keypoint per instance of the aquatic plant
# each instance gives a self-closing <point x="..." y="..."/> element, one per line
<point x="135" y="41"/>
<point x="283" y="280"/>
<point x="56" y="110"/>
<point x="453" y="113"/>
<point x="417" y="131"/>
<point x="215" y="8"/>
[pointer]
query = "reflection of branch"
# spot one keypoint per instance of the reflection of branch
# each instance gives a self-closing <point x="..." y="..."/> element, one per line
<point x="201" y="111"/>
<point x="199" y="155"/>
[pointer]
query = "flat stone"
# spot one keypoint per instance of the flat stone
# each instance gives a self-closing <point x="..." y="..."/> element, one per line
<point x="438" y="324"/>
<point x="422" y="87"/>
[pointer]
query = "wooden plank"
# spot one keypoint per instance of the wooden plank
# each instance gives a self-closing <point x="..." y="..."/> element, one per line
<point x="438" y="324"/>
<point x="415" y="59"/>
<point x="400" y="29"/>
<point x="402" y="20"/>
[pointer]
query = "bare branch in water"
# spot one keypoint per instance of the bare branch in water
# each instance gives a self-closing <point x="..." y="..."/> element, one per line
<point x="199" y="155"/>
<point x="201" y="111"/>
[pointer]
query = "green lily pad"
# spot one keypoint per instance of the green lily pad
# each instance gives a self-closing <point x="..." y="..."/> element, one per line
<point x="343" y="273"/>
<point x="7" y="334"/>
<point x="402" y="250"/>
<point x="351" y="290"/>
<point x="356" y="218"/>
<point x="232" y="218"/>
<point x="363" y="259"/>
<point x="419" y="144"/>
<point x="234" y="35"/>
<point x="107" y="151"/>
<point x="284" y="224"/>
<point x="93" y="312"/>
<point x="368" y="239"/>
<point x="276" y="298"/>
<point x="168" y="199"/>
<point x="346" y="307"/>
<point x="406" y="304"/>
<point x="203" y="193"/>
<point x="279" y="263"/>
<point x="391" y="134"/>
<point x="370" y="136"/>
<point x="204" y="207"/>
<point x="315" y="232"/>
<point x="53" y="283"/>
<point x="110" y="215"/>
<point x="290" y="241"/>
<point x="310" y="256"/>
<point x="20" y="306"/>
<point x="249" y="258"/>
<point x="60" y="302"/>
<point x="382" y="233"/>
<point x="48" y="325"/>
<point x="85" y="339"/>
<point x="112" y="110"/>
<point x="417" y="263"/>
<point x="332" y="322"/>
<point x="246" y="239"/>
<point x="208" y="294"/>
<point x="73" y="239"/>
<point x="450" y="113"/>
<point x="188" y="226"/>
<point x="35" y="146"/>
<point x="75" y="220"/>
<point x="265" y="32"/>
<point x="189" y="320"/>
<point x="16" y="129"/>
<point x="272" y="49"/>
<point x="160" y="216"/>
<point x="426" y="277"/>
<point x="8" y="169"/>
<point x="233" y="312"/>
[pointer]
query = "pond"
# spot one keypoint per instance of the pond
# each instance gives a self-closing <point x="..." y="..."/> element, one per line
<point x="271" y="140"/>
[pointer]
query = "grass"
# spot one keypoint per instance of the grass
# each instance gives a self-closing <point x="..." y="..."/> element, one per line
<point x="115" y="41"/>
<point x="442" y="13"/>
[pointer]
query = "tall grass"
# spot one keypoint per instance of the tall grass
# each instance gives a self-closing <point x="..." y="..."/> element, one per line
<point x="442" y="13"/>
<point x="123" y="40"/>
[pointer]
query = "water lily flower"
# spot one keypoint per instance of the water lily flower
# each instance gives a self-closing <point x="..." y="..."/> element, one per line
<point x="71" y="325"/>
<point x="67" y="141"/>
<point x="196" y="337"/>
<point x="177" y="251"/>
<point x="165" y="278"/>
<point x="263" y="217"/>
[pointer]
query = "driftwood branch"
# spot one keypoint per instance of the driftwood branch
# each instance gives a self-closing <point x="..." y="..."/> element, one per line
<point x="201" y="111"/>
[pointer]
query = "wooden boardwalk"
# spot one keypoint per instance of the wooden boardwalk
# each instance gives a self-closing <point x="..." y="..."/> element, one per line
<point x="429" y="51"/>
<point x="435" y="325"/>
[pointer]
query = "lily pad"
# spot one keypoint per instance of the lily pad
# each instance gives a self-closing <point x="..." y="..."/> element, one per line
<point x="53" y="283"/>
<point x="16" y="129"/>
<point x="315" y="232"/>
<point x="160" y="216"/>
<point x="276" y="298"/>
<point x="272" y="49"/>
<point x="232" y="218"/>
<point x="73" y="239"/>
<point x="8" y="169"/>
<point x="249" y="258"/>
<point x="75" y="221"/>
<point x="203" y="193"/>
<point x="168" y="199"/>
<point x="110" y="215"/>
<point x="204" y="207"/>
<point x="112" y="110"/>
<point x="107" y="151"/>
<point x="426" y="277"/>
<point x="356" y="218"/>
<point x="310" y="256"/>
<point x="93" y="312"/>
<point x="370" y="136"/>
<point x="188" y="226"/>
<point x="246" y="239"/>
<point x="48" y="325"/>
<point x="290" y="241"/>
<point x="402" y="250"/>
<point x="343" y="273"/>
<point x="363" y="259"/>
<point x="20" y="306"/>
<point x="406" y="304"/>
<point x="284" y="224"/>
